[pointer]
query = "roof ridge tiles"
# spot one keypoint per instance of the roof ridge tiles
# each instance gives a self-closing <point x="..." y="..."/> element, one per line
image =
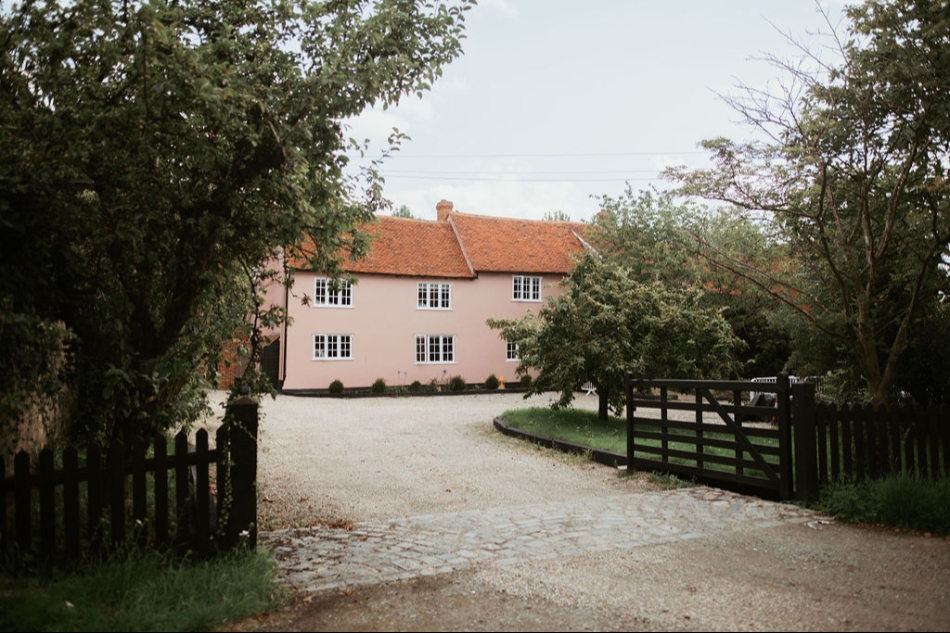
<point x="508" y="219"/>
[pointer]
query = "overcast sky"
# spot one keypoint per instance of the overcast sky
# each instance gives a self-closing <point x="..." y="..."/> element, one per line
<point x="555" y="103"/>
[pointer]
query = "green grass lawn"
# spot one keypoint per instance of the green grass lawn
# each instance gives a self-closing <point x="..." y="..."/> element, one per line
<point x="583" y="427"/>
<point x="572" y="425"/>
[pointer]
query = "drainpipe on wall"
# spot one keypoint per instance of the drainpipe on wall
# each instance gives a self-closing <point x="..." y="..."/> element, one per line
<point x="283" y="346"/>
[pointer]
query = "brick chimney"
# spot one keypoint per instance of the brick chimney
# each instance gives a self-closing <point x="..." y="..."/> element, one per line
<point x="443" y="209"/>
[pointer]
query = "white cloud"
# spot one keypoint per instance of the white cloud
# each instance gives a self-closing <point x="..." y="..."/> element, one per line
<point x="376" y="124"/>
<point x="415" y="109"/>
<point x="451" y="84"/>
<point x="502" y="6"/>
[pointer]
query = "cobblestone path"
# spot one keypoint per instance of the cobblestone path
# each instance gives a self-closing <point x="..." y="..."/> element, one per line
<point x="318" y="559"/>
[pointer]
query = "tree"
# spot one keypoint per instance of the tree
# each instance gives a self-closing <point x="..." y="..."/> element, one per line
<point x="659" y="240"/>
<point x="403" y="212"/>
<point x="649" y="234"/>
<point x="854" y="181"/>
<point x="605" y="324"/>
<point x="156" y="155"/>
<point x="925" y="371"/>
<point x="556" y="216"/>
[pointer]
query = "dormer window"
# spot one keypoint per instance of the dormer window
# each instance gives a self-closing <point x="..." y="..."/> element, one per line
<point x="525" y="288"/>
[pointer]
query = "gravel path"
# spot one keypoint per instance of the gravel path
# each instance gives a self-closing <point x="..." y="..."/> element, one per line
<point x="415" y="514"/>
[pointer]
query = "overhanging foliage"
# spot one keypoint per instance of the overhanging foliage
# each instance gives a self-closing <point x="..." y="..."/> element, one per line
<point x="156" y="155"/>
<point x="855" y="181"/>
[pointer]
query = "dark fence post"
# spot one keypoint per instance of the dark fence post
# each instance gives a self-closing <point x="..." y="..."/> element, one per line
<point x="183" y="513"/>
<point x="806" y="444"/>
<point x="94" y="497"/>
<point x="117" y="489"/>
<point x="832" y="416"/>
<point x="222" y="440"/>
<point x="161" y="490"/>
<point x="933" y="439"/>
<point x="821" y="428"/>
<point x="782" y="395"/>
<point x="943" y="416"/>
<point x="47" y="504"/>
<point x="894" y="423"/>
<point x="847" y="443"/>
<point x="71" y="521"/>
<point x="22" y="516"/>
<point x="860" y="434"/>
<point x="242" y="416"/>
<point x="202" y="494"/>
<point x="628" y="388"/>
<point x="139" y="491"/>
<point x="911" y="458"/>
<point x="920" y="437"/>
<point x="4" y="529"/>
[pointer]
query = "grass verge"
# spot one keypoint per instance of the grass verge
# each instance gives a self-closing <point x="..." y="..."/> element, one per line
<point x="572" y="425"/>
<point x="142" y="592"/>
<point x="583" y="427"/>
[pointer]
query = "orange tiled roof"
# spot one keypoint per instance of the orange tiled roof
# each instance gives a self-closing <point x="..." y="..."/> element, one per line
<point x="460" y="245"/>
<point x="519" y="246"/>
<point x="417" y="248"/>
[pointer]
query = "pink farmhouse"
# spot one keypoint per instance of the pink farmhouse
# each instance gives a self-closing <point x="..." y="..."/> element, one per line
<point x="418" y="308"/>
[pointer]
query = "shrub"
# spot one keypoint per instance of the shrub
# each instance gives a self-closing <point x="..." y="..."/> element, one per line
<point x="434" y="385"/>
<point x="415" y="387"/>
<point x="898" y="501"/>
<point x="491" y="382"/>
<point x="526" y="381"/>
<point x="379" y="386"/>
<point x="457" y="383"/>
<point x="336" y="387"/>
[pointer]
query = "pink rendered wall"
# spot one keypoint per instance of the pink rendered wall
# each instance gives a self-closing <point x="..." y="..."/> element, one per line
<point x="274" y="295"/>
<point x="384" y="320"/>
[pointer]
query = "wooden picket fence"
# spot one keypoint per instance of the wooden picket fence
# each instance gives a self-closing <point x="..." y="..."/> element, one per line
<point x="859" y="443"/>
<point x="198" y="499"/>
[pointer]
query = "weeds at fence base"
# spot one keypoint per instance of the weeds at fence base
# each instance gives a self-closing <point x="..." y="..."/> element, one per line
<point x="669" y="481"/>
<point x="900" y="501"/>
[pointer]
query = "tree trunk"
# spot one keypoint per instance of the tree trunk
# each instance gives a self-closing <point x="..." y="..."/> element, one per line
<point x="602" y="404"/>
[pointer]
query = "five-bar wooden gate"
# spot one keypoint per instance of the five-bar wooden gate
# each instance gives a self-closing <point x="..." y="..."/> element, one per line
<point x="706" y="432"/>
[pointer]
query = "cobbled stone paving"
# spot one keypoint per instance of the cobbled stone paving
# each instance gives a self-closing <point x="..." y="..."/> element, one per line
<point x="319" y="558"/>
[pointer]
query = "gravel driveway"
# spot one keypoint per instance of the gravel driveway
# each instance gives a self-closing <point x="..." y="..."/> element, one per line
<point x="415" y="514"/>
<point x="377" y="458"/>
